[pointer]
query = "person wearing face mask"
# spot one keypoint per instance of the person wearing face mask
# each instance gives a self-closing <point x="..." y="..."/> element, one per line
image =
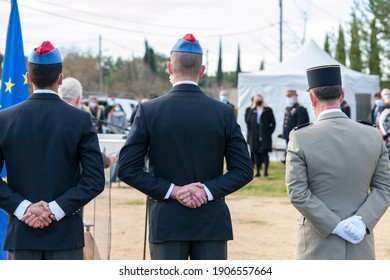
<point x="97" y="113"/>
<point x="117" y="117"/>
<point x="108" y="107"/>
<point x="261" y="124"/>
<point x="379" y="106"/>
<point x="224" y="98"/>
<point x="247" y="121"/>
<point x="295" y="115"/>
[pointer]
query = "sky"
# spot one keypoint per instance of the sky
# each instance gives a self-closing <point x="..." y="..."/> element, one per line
<point x="124" y="25"/>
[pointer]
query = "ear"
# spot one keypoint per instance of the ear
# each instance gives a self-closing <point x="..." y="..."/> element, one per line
<point x="60" y="79"/>
<point x="170" y="68"/>
<point x="342" y="95"/>
<point x="202" y="70"/>
<point x="29" y="78"/>
<point x="78" y="100"/>
<point x="313" y="99"/>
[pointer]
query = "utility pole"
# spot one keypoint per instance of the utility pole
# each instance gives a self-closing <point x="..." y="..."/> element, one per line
<point x="304" y="27"/>
<point x="207" y="69"/>
<point x="281" y="31"/>
<point x="100" y="65"/>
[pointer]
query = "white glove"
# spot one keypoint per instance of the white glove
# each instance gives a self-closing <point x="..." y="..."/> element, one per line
<point x="356" y="228"/>
<point x="352" y="229"/>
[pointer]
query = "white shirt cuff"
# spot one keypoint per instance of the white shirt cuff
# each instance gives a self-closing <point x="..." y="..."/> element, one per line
<point x="169" y="191"/>
<point x="56" y="210"/>
<point x="209" y="195"/>
<point x="19" y="212"/>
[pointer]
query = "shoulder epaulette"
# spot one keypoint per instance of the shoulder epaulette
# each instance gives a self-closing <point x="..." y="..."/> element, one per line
<point x="366" y="123"/>
<point x="302" y="125"/>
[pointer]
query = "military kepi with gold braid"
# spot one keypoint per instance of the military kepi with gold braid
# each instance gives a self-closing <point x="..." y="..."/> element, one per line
<point x="326" y="75"/>
<point x="46" y="53"/>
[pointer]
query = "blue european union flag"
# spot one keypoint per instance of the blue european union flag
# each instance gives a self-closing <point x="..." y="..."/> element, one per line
<point x="14" y="84"/>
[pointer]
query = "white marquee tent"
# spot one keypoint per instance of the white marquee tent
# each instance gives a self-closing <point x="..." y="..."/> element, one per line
<point x="274" y="82"/>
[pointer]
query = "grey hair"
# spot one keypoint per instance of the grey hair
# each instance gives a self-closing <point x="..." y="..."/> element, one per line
<point x="70" y="89"/>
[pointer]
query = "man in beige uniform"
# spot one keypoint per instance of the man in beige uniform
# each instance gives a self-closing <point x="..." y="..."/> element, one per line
<point x="337" y="176"/>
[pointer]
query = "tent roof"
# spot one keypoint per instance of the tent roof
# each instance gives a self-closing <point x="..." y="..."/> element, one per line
<point x="309" y="55"/>
<point x="293" y="70"/>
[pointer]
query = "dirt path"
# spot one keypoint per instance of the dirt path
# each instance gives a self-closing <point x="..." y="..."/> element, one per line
<point x="264" y="227"/>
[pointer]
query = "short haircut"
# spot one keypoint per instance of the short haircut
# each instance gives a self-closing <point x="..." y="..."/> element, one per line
<point x="327" y="93"/>
<point x="70" y="89"/>
<point x="186" y="64"/>
<point x="44" y="75"/>
<point x="377" y="95"/>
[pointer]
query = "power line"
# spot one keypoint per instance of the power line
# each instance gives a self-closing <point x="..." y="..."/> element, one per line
<point x="324" y="10"/>
<point x="130" y="30"/>
<point x="101" y="16"/>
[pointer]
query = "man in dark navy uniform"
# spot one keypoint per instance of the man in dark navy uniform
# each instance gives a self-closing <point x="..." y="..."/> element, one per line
<point x="295" y="115"/>
<point x="54" y="167"/>
<point x="188" y="136"/>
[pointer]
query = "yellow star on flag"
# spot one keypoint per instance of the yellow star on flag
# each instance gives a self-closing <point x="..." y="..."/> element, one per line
<point x="25" y="79"/>
<point x="9" y="85"/>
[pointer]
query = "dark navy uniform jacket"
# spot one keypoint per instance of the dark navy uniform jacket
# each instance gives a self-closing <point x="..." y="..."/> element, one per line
<point x="51" y="152"/>
<point x="187" y="136"/>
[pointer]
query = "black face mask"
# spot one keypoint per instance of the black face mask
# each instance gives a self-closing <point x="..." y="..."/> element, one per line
<point x="259" y="103"/>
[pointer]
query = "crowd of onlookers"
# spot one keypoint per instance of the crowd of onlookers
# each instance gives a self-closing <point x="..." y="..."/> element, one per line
<point x="109" y="118"/>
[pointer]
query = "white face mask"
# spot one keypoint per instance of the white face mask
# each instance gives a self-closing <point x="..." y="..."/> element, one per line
<point x="110" y="102"/>
<point x="223" y="98"/>
<point x="379" y="102"/>
<point x="290" y="101"/>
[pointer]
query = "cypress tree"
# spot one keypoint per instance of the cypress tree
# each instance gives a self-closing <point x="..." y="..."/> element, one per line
<point x="238" y="69"/>
<point x="327" y="44"/>
<point x="147" y="53"/>
<point x="373" y="57"/>
<point x="152" y="61"/>
<point x="219" y="70"/>
<point x="262" y="64"/>
<point x="150" y="58"/>
<point x="340" y="47"/>
<point x="355" y="53"/>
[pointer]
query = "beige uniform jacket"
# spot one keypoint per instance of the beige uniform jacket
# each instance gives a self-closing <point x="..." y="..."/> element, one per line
<point x="336" y="168"/>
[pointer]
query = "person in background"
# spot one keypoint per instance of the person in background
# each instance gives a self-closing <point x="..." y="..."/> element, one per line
<point x="384" y="119"/>
<point x="379" y="106"/>
<point x="97" y="112"/>
<point x="261" y="124"/>
<point x="337" y="176"/>
<point x="224" y="97"/>
<point x="54" y="166"/>
<point x="108" y="107"/>
<point x="71" y="91"/>
<point x="248" y="112"/>
<point x="189" y="137"/>
<point x="344" y="107"/>
<point x="295" y="115"/>
<point x="117" y="117"/>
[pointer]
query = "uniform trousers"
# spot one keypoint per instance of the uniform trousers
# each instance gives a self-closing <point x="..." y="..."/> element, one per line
<point x="184" y="250"/>
<point x="76" y="254"/>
